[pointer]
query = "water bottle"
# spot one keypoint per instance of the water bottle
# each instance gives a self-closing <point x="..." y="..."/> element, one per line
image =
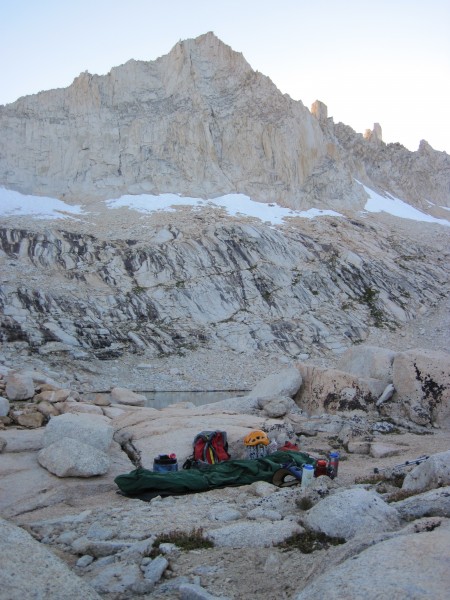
<point x="321" y="467"/>
<point x="333" y="464"/>
<point x="272" y="447"/>
<point x="307" y="476"/>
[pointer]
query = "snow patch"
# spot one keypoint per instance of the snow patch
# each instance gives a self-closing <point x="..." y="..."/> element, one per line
<point x="40" y="207"/>
<point x="234" y="204"/>
<point x="396" y="207"/>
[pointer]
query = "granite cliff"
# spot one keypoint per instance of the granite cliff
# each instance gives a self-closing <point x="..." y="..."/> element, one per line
<point x="200" y="122"/>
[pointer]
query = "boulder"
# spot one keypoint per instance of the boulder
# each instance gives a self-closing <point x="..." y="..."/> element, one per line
<point x="80" y="408"/>
<point x="19" y="386"/>
<point x="380" y="450"/>
<point x="71" y="458"/>
<point x="253" y="534"/>
<point x="406" y="566"/>
<point x="172" y="429"/>
<point x="91" y="430"/>
<point x="122" y="579"/>
<point x="52" y="396"/>
<point x="31" y="419"/>
<point x="239" y="404"/>
<point x="352" y="512"/>
<point x="331" y="391"/>
<point x="422" y="382"/>
<point x="42" y="574"/>
<point x="277" y="407"/>
<point x="47" y="409"/>
<point x="124" y="396"/>
<point x="431" y="473"/>
<point x="285" y="383"/>
<point x="23" y="440"/>
<point x="358" y="447"/>
<point x="434" y="503"/>
<point x="368" y="362"/>
<point x="4" y="407"/>
<point x="101" y="400"/>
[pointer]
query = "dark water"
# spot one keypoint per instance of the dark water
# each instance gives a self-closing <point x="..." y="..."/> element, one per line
<point x="163" y="399"/>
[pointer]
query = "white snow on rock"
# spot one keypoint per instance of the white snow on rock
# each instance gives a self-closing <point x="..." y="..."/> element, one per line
<point x="398" y="208"/>
<point x="40" y="207"/>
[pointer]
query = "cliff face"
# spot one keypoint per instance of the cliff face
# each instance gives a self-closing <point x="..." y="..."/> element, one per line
<point x="233" y="286"/>
<point x="198" y="121"/>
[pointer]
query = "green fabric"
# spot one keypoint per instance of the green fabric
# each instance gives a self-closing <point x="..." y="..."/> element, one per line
<point x="227" y="473"/>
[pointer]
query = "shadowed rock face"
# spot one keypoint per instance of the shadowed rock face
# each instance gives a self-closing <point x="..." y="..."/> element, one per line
<point x="232" y="286"/>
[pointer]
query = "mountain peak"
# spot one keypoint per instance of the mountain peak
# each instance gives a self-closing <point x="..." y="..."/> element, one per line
<point x="208" y="48"/>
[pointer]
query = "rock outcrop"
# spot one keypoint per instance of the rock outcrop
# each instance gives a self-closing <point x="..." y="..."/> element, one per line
<point x="46" y="575"/>
<point x="389" y="569"/>
<point x="200" y="122"/>
<point x="237" y="286"/>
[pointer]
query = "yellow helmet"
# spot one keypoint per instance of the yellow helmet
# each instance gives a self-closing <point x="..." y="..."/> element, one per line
<point x="256" y="437"/>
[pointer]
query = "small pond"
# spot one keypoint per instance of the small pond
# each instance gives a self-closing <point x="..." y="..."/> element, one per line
<point x="163" y="399"/>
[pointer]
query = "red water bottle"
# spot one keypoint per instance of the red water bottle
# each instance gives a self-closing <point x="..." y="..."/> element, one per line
<point x="321" y="467"/>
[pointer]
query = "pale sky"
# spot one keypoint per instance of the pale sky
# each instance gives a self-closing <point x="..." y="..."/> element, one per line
<point x="369" y="61"/>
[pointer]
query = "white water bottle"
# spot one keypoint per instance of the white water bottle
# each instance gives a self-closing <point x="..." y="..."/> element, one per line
<point x="272" y="447"/>
<point x="307" y="476"/>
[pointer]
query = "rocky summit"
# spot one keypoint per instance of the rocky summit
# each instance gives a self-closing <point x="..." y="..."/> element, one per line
<point x="212" y="234"/>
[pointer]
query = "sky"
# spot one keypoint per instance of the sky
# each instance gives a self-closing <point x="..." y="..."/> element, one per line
<point x="383" y="61"/>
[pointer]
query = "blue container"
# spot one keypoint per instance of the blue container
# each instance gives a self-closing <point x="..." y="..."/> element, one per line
<point x="164" y="464"/>
<point x="333" y="464"/>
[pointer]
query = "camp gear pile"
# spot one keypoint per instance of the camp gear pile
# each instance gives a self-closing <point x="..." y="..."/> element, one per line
<point x="146" y="484"/>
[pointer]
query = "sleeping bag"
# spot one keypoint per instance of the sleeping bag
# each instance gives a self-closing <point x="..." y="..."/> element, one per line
<point x="146" y="484"/>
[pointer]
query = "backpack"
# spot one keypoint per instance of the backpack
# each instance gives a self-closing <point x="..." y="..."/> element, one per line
<point x="210" y="447"/>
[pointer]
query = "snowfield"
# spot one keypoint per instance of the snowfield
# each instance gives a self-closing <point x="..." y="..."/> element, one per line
<point x="40" y="207"/>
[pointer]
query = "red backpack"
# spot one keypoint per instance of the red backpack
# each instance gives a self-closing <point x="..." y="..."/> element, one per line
<point x="211" y="447"/>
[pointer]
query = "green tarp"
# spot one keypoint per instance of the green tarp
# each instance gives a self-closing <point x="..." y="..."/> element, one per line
<point x="228" y="473"/>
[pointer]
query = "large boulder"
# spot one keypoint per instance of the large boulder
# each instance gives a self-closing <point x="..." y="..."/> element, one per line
<point x="368" y="362"/>
<point x="431" y="473"/>
<point x="173" y="429"/>
<point x="350" y="513"/>
<point x="41" y="573"/>
<point x="71" y="458"/>
<point x="253" y="534"/>
<point x="332" y="391"/>
<point x="91" y="430"/>
<point x="407" y="566"/>
<point x="19" y="386"/>
<point x="434" y="503"/>
<point x="285" y="383"/>
<point x="121" y="395"/>
<point x="422" y="382"/>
